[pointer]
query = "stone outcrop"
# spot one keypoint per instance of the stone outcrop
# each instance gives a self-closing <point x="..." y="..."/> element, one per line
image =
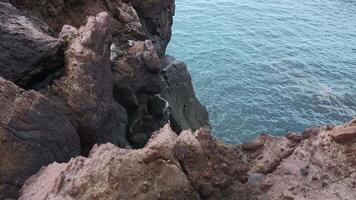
<point x="94" y="68"/>
<point x="186" y="112"/>
<point x="157" y="19"/>
<point x="87" y="85"/>
<point x="91" y="78"/>
<point x="27" y="52"/>
<point x="121" y="174"/>
<point x="34" y="131"/>
<point x="314" y="167"/>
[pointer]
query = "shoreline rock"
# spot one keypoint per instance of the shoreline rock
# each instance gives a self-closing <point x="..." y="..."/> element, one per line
<point x="206" y="168"/>
<point x="91" y="78"/>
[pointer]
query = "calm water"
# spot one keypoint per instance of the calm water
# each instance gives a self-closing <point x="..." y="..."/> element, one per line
<point x="269" y="65"/>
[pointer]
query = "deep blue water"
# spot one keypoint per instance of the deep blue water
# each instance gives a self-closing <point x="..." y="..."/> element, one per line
<point x="269" y="65"/>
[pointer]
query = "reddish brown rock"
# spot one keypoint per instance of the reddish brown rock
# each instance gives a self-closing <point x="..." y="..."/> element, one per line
<point x="121" y="174"/>
<point x="87" y="85"/>
<point x="252" y="144"/>
<point x="344" y="133"/>
<point x="34" y="131"/>
<point x="279" y="169"/>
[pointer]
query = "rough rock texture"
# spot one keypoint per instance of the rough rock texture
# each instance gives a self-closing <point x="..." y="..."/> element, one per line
<point x="97" y="65"/>
<point x="113" y="173"/>
<point x="278" y="168"/>
<point x="318" y="169"/>
<point x="27" y="52"/>
<point x="157" y="19"/>
<point x="204" y="168"/>
<point x="186" y="112"/>
<point x="34" y="131"/>
<point x="87" y="85"/>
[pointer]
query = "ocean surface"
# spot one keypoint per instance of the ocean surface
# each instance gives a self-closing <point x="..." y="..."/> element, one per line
<point x="269" y="66"/>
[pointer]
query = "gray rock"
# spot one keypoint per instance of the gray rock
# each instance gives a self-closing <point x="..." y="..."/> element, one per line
<point x="176" y="87"/>
<point x="27" y="53"/>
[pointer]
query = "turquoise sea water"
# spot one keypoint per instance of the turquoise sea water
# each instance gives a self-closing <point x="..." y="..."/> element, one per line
<point x="269" y="65"/>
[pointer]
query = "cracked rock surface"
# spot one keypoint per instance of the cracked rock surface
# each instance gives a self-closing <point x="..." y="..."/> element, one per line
<point x="93" y="71"/>
<point x="198" y="166"/>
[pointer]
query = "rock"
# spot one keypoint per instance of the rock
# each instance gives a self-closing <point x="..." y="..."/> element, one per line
<point x="205" y="168"/>
<point x="344" y="133"/>
<point x="304" y="171"/>
<point x="294" y="137"/>
<point x="120" y="175"/>
<point x="157" y="19"/>
<point x="253" y="144"/>
<point x="34" y="131"/>
<point x="68" y="33"/>
<point x="87" y="86"/>
<point x="137" y="84"/>
<point x="309" y="132"/>
<point x="317" y="156"/>
<point x="186" y="112"/>
<point x="27" y="53"/>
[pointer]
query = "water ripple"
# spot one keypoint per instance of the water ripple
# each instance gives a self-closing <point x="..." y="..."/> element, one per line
<point x="269" y="65"/>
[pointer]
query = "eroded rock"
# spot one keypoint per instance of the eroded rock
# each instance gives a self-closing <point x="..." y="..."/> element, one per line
<point x="27" y="52"/>
<point x="121" y="174"/>
<point x="87" y="85"/>
<point x="34" y="131"/>
<point x="186" y="112"/>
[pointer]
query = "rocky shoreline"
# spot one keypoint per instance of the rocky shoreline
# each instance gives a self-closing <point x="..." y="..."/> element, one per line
<point x="93" y="108"/>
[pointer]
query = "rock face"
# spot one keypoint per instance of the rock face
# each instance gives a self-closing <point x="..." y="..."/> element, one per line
<point x="27" y="52"/>
<point x="99" y="76"/>
<point x="96" y="73"/>
<point x="121" y="174"/>
<point x="87" y="85"/>
<point x="157" y="19"/>
<point x="186" y="111"/>
<point x="198" y="166"/>
<point x="34" y="131"/>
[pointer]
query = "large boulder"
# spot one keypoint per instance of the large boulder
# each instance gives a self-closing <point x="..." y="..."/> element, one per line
<point x="176" y="87"/>
<point x="34" y="131"/>
<point x="87" y="85"/>
<point x="27" y="52"/>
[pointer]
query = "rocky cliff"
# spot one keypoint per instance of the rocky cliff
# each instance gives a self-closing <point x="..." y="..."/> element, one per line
<point x="93" y="108"/>
<point x="78" y="73"/>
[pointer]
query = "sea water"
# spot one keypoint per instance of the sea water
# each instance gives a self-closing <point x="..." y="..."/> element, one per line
<point x="269" y="66"/>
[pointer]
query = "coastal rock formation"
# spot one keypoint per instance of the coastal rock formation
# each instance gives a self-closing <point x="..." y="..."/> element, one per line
<point x="90" y="78"/>
<point x="198" y="166"/>
<point x="94" y="68"/>
<point x="87" y="85"/>
<point x="186" y="112"/>
<point x="27" y="52"/>
<point x="121" y="174"/>
<point x="34" y="131"/>
<point x="157" y="19"/>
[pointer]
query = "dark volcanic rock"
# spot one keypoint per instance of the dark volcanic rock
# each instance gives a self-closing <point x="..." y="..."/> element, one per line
<point x="34" y="131"/>
<point x="27" y="53"/>
<point x="157" y="19"/>
<point x="87" y="86"/>
<point x="137" y="84"/>
<point x="176" y="87"/>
